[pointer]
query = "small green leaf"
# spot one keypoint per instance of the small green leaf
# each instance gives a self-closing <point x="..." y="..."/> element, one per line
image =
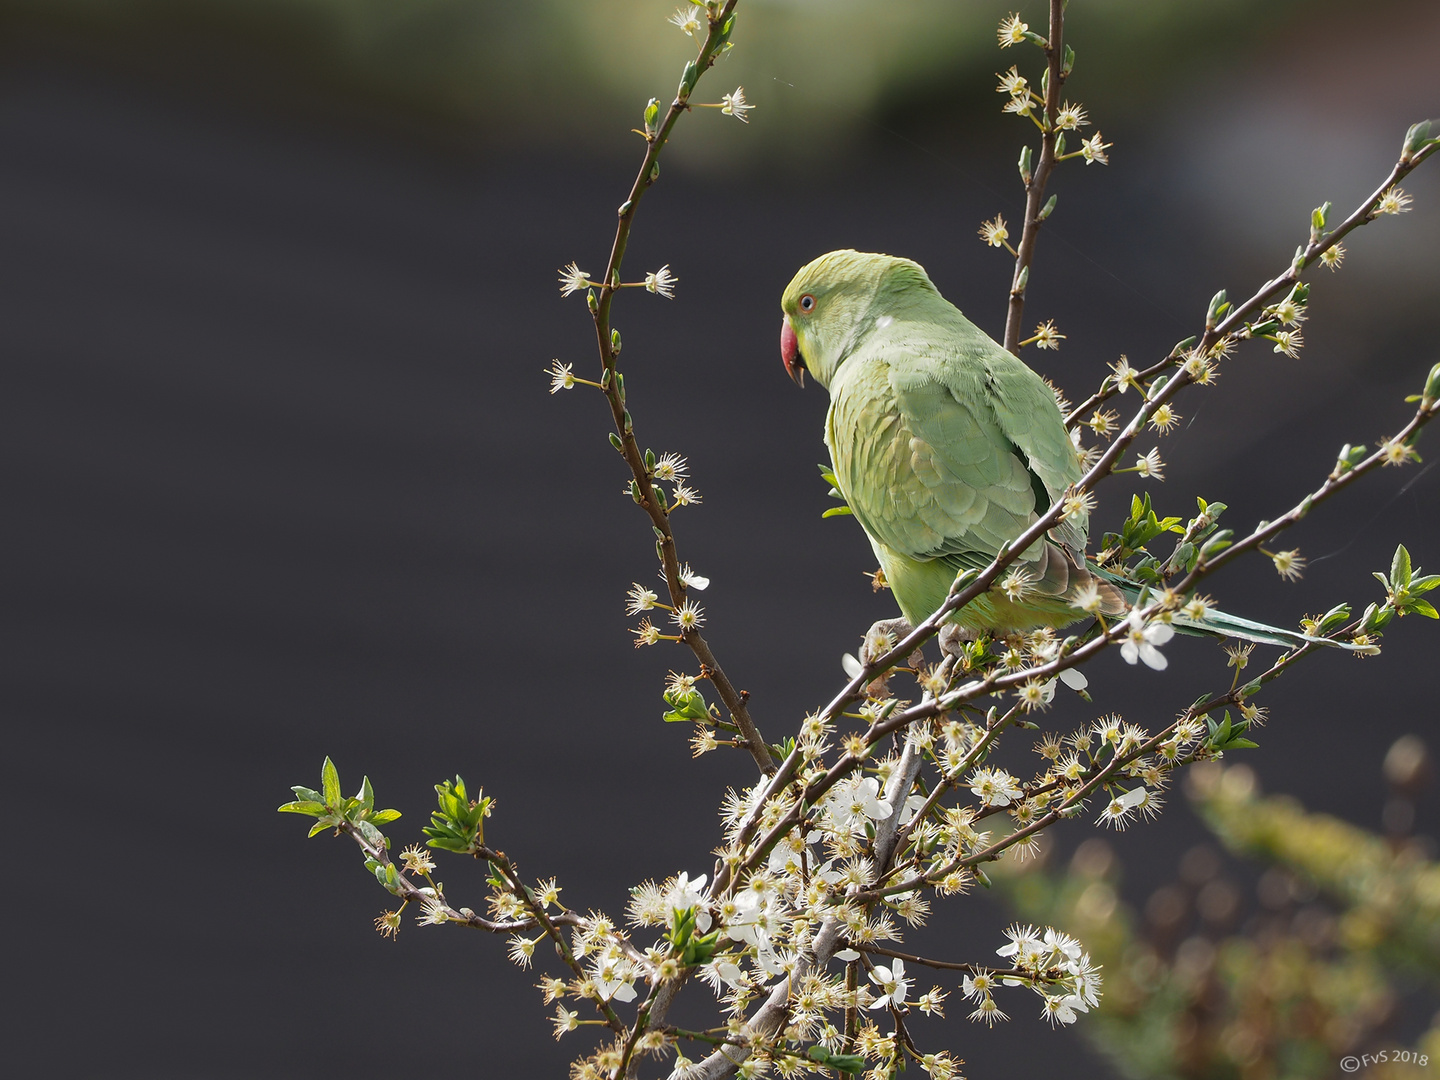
<point x="1334" y="617"/>
<point x="1400" y="568"/>
<point x="330" y="783"/>
<point x="384" y="817"/>
<point x="1424" y="583"/>
<point x="837" y="511"/>
<point x="302" y="806"/>
<point x="370" y="833"/>
<point x="1420" y="607"/>
<point x="320" y="826"/>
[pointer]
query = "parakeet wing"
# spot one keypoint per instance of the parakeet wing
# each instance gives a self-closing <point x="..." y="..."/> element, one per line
<point x="932" y="447"/>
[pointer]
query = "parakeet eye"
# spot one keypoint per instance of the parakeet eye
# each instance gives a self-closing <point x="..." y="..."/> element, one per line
<point x="807" y="302"/>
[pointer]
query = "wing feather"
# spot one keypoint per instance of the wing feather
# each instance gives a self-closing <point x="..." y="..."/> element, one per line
<point x="937" y="443"/>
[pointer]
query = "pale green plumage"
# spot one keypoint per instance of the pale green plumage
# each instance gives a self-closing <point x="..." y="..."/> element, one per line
<point x="943" y="444"/>
<point x="945" y="447"/>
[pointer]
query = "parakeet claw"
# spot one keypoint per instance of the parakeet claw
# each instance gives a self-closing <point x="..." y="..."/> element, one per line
<point x="952" y="640"/>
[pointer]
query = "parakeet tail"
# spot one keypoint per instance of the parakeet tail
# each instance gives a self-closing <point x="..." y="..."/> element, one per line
<point x="1222" y="624"/>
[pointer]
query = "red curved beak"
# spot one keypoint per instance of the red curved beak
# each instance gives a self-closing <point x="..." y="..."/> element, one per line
<point x="790" y="353"/>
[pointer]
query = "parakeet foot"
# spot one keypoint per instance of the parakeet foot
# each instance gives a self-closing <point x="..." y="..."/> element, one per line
<point x="952" y="639"/>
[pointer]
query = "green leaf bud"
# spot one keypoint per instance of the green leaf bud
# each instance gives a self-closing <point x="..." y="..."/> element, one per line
<point x="1025" y="173"/>
<point x="1218" y="306"/>
<point x="1415" y="138"/>
<point x="1432" y="386"/>
<point x="688" y="78"/>
<point x="615" y="442"/>
<point x="1048" y="208"/>
<point x="614" y="342"/>
<point x="1068" y="64"/>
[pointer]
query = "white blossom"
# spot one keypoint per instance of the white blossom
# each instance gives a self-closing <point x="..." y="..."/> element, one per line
<point x="1142" y="641"/>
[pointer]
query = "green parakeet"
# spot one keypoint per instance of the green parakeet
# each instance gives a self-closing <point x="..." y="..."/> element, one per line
<point x="945" y="447"/>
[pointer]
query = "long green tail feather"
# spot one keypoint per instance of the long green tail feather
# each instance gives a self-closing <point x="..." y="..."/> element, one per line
<point x="1224" y="625"/>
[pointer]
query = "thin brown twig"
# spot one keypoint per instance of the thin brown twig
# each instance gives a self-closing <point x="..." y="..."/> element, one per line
<point x="612" y="385"/>
<point x="1035" y="187"/>
<point x="506" y="870"/>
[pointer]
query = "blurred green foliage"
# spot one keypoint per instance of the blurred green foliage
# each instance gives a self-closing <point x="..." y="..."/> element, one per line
<point x="561" y="70"/>
<point x="1345" y="923"/>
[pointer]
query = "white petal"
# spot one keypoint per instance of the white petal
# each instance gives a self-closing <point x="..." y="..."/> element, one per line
<point x="1159" y="633"/>
<point x="852" y="666"/>
<point x="847" y="955"/>
<point x="1129" y="652"/>
<point x="1133" y="798"/>
<point x="1152" y="656"/>
<point x="623" y="993"/>
<point x="1074" y="678"/>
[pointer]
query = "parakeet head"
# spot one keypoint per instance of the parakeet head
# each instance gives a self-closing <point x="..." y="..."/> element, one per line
<point x="836" y="300"/>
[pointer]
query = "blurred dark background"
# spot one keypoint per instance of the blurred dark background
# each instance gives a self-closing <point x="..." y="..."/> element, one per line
<point x="277" y="289"/>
